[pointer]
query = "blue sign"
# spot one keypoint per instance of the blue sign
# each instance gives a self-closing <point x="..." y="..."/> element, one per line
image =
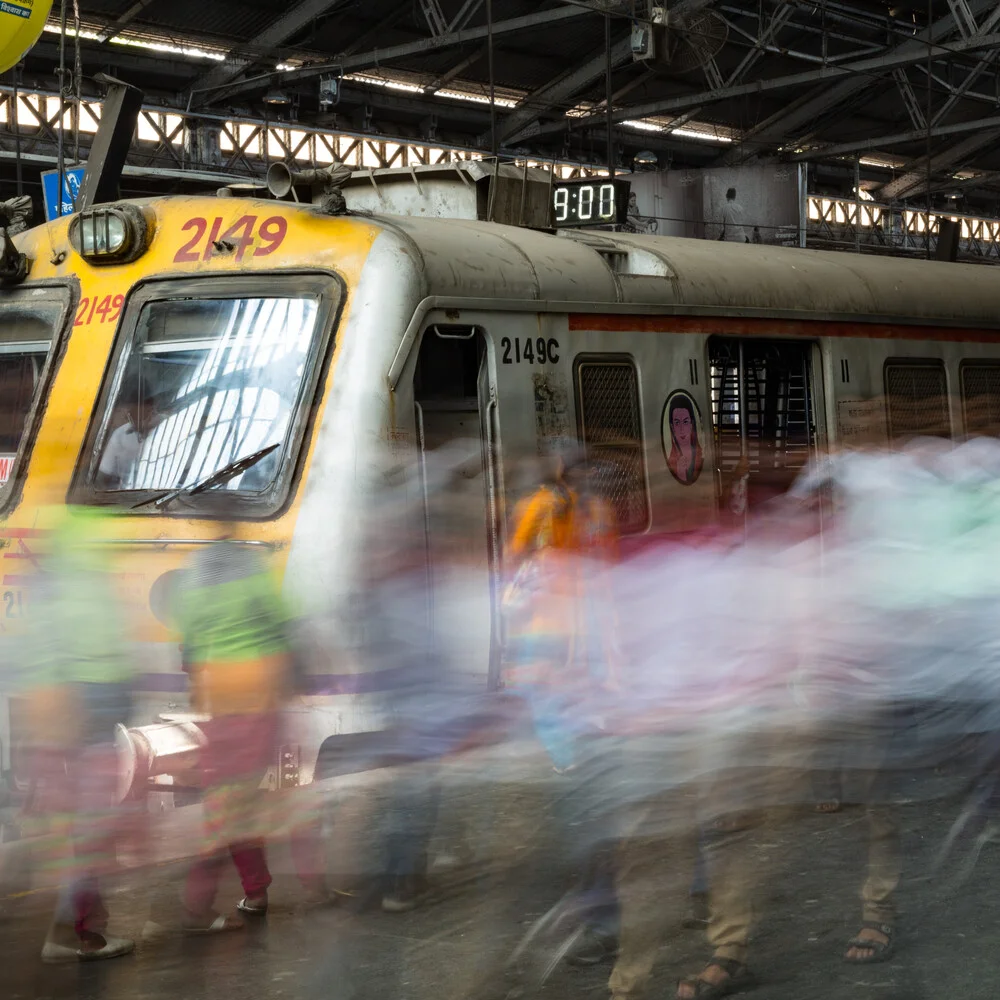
<point x="72" y="179"/>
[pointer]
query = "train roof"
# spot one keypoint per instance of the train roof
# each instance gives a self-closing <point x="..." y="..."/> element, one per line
<point x="673" y="274"/>
<point x="584" y="270"/>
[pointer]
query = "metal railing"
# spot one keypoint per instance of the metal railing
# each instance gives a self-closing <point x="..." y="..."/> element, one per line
<point x="873" y="227"/>
<point x="170" y="139"/>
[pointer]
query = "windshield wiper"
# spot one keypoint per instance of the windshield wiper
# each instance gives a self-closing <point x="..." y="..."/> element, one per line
<point x="219" y="478"/>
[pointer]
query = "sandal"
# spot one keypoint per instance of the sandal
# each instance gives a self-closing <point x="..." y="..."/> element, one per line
<point x="216" y="924"/>
<point x="254" y="909"/>
<point x="881" y="951"/>
<point x="738" y="979"/>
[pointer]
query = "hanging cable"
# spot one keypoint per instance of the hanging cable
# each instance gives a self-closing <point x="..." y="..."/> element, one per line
<point x="607" y="96"/>
<point x="15" y="121"/>
<point x="77" y="78"/>
<point x="927" y="114"/>
<point x="60" y="139"/>
<point x="493" y="104"/>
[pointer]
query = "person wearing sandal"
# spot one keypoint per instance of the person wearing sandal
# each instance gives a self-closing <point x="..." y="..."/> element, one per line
<point x="81" y="674"/>
<point x="875" y="940"/>
<point x="237" y="654"/>
<point x="659" y="848"/>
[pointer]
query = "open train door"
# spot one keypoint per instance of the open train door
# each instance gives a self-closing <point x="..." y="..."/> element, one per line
<point x="767" y="406"/>
<point x="457" y="434"/>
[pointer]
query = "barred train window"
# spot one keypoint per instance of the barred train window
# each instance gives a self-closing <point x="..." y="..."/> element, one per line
<point x="607" y="404"/>
<point x="981" y="396"/>
<point x="916" y="395"/>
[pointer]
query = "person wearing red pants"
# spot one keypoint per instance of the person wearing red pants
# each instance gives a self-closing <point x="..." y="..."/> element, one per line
<point x="238" y="655"/>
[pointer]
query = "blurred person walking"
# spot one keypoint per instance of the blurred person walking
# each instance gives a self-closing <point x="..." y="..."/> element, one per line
<point x="238" y="654"/>
<point x="81" y="688"/>
<point x="562" y="660"/>
<point x="437" y="708"/>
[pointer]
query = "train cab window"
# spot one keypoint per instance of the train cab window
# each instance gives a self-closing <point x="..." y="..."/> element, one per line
<point x="30" y="322"/>
<point x="981" y="397"/>
<point x="762" y="417"/>
<point x="610" y="428"/>
<point x="210" y="388"/>
<point x="916" y="396"/>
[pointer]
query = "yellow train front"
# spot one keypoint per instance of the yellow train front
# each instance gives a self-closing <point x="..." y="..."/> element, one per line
<point x="267" y="371"/>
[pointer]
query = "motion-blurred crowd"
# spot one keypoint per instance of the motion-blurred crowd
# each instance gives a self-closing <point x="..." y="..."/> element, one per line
<point x="680" y="695"/>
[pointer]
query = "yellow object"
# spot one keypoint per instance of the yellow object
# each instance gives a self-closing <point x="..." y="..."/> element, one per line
<point x="245" y="687"/>
<point x="21" y="22"/>
<point x="293" y="240"/>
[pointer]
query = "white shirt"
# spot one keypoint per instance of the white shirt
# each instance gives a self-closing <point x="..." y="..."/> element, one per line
<point x="733" y="230"/>
<point x="121" y="455"/>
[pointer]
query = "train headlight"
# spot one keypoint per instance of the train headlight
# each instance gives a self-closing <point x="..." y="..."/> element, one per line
<point x="109" y="234"/>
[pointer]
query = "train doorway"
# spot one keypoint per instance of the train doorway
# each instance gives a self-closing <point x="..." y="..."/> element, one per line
<point x="457" y="434"/>
<point x="764" y="405"/>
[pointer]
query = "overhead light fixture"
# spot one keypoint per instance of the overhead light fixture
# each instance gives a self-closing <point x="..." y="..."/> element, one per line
<point x="646" y="160"/>
<point x="277" y="97"/>
<point x="329" y="91"/>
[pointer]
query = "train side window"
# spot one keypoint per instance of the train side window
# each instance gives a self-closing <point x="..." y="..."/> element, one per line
<point x="610" y="428"/>
<point x="916" y="395"/>
<point x="981" y="396"/>
<point x="206" y="377"/>
<point x="30" y="323"/>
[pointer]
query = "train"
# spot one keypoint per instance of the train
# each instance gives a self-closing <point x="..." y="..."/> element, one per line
<point x="256" y="368"/>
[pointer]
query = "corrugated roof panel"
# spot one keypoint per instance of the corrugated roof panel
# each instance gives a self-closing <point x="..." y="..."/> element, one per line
<point x="237" y="20"/>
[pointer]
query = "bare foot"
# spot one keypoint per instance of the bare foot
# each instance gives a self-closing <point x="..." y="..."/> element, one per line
<point x="830" y="806"/>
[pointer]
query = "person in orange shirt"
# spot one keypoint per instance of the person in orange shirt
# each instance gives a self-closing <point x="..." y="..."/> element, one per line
<point x="561" y="660"/>
<point x="559" y="616"/>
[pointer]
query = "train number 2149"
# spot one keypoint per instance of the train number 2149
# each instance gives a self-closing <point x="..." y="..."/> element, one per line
<point x="533" y="350"/>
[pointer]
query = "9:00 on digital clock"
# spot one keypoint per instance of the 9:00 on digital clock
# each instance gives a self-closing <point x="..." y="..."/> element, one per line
<point x="589" y="203"/>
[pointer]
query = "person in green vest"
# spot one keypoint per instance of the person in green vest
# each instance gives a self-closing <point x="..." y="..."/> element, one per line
<point x="80" y="673"/>
<point x="238" y="652"/>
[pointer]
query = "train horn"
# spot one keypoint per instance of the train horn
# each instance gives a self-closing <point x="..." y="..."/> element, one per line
<point x="326" y="183"/>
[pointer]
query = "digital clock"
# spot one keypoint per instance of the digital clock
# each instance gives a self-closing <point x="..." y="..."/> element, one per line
<point x="590" y="202"/>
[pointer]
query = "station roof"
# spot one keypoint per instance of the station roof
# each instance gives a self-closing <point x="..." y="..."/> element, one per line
<point x="909" y="89"/>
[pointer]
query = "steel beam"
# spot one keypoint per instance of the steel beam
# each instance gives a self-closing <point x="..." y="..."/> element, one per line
<point x="110" y="146"/>
<point x="122" y="22"/>
<point x="859" y="73"/>
<point x="276" y="33"/>
<point x="434" y="16"/>
<point x="380" y="57"/>
<point x="882" y="142"/>
<point x="465" y="15"/>
<point x="517" y="124"/>
<point x="449" y="75"/>
<point x="964" y="18"/>
<point x="981" y="66"/>
<point x="910" y="101"/>
<point x="914" y="180"/>
<point x="779" y="128"/>
<point x="209" y="178"/>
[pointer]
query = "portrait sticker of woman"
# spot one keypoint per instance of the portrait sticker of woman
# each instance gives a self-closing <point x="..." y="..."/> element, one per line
<point x="680" y="437"/>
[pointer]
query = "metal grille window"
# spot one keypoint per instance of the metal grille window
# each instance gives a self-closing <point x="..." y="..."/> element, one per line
<point x="761" y="406"/>
<point x="916" y="395"/>
<point x="981" y="397"/>
<point x="607" y="401"/>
